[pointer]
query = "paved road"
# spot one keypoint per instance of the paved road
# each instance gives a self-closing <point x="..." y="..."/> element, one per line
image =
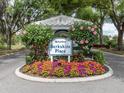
<point x="9" y="83"/>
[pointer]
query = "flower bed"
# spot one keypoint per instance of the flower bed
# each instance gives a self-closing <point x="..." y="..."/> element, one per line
<point x="62" y="68"/>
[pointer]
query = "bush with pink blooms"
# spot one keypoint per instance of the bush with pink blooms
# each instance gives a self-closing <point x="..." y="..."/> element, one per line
<point x="84" y="34"/>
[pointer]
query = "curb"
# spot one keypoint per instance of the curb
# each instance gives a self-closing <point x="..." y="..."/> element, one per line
<point x="40" y="79"/>
<point x="114" y="54"/>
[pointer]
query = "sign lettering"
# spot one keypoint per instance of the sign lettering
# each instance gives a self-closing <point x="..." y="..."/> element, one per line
<point x="60" y="47"/>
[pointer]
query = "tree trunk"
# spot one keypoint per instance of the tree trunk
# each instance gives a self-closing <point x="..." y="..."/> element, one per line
<point x="101" y="35"/>
<point x="120" y="40"/>
<point x="9" y="40"/>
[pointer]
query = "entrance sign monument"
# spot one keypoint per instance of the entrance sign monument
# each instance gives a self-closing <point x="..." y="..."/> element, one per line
<point x="60" y="47"/>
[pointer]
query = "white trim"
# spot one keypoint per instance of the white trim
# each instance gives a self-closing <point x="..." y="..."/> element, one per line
<point x="78" y="79"/>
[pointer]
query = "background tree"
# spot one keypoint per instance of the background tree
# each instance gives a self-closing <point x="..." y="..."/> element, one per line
<point x="96" y="16"/>
<point x="2" y="10"/>
<point x="115" y="9"/>
<point x="69" y="7"/>
<point x="15" y="15"/>
<point x="117" y="15"/>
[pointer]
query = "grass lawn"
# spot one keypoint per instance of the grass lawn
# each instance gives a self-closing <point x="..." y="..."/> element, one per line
<point x="15" y="48"/>
<point x="115" y="51"/>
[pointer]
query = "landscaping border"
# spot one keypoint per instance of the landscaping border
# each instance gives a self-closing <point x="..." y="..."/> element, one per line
<point x="77" y="79"/>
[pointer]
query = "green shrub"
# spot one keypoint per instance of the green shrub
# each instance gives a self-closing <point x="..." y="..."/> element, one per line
<point x="36" y="39"/>
<point x="114" y="42"/>
<point x="74" y="73"/>
<point x="98" y="56"/>
<point x="59" y="72"/>
<point x="26" y="68"/>
<point x="29" y="59"/>
<point x="110" y="42"/>
<point x="45" y="74"/>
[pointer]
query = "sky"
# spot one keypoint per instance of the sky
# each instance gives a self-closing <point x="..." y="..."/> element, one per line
<point x="109" y="29"/>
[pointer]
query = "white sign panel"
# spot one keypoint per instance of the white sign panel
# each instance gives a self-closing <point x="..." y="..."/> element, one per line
<point x="60" y="46"/>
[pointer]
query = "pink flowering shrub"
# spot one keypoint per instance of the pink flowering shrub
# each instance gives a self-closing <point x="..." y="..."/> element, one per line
<point x="62" y="68"/>
<point x="84" y="34"/>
